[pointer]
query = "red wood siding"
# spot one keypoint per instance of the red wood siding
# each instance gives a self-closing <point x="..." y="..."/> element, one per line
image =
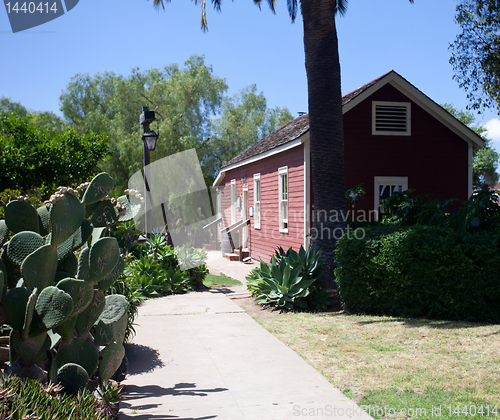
<point x="263" y="242"/>
<point x="434" y="159"/>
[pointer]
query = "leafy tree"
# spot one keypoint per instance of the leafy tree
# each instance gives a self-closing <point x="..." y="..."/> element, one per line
<point x="475" y="52"/>
<point x="485" y="161"/>
<point x="31" y="158"/>
<point x="244" y="120"/>
<point x="325" y="113"/>
<point x="42" y="120"/>
<point x="186" y="99"/>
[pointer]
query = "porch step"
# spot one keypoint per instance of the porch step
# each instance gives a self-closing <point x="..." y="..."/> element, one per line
<point x="245" y="252"/>
<point x="232" y="257"/>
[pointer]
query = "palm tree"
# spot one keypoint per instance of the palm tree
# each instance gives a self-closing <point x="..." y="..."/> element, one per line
<point x="325" y="117"/>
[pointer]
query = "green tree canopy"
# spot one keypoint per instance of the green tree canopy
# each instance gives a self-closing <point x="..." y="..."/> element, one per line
<point x="187" y="101"/>
<point x="42" y="120"/>
<point x="35" y="158"/>
<point x="485" y="160"/>
<point x="476" y="52"/>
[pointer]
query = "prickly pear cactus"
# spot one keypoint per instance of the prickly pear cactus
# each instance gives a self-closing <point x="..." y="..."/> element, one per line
<point x="55" y="264"/>
<point x="73" y="378"/>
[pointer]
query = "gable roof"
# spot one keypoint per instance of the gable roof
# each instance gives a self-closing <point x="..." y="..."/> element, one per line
<point x="292" y="133"/>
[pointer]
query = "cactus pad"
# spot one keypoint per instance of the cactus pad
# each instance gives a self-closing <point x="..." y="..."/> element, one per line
<point x="28" y="317"/>
<point x="75" y="241"/>
<point x="4" y="231"/>
<point x="54" y="306"/>
<point x="131" y="209"/>
<point x="12" y="270"/>
<point x="81" y="352"/>
<point x="70" y="264"/>
<point x="39" y="267"/>
<point x="21" y="216"/>
<point x="110" y="279"/>
<point x="14" y="303"/>
<point x="83" y="265"/>
<point x="43" y="220"/>
<point x="81" y="291"/>
<point x="91" y="313"/>
<point x="31" y="350"/>
<point x="103" y="334"/>
<point x="67" y="328"/>
<point x="105" y="214"/>
<point x="66" y="216"/>
<point x="115" y="315"/>
<point x="111" y="359"/>
<point x="101" y="186"/>
<point x="22" y="244"/>
<point x="73" y="378"/>
<point x="104" y="256"/>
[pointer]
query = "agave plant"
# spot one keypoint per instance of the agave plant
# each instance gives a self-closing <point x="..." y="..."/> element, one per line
<point x="286" y="280"/>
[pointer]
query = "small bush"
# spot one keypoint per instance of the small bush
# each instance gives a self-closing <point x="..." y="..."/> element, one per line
<point x="421" y="271"/>
<point x="288" y="279"/>
<point x="163" y="270"/>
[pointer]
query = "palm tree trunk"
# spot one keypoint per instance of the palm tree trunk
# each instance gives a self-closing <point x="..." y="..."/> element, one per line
<point x="326" y="130"/>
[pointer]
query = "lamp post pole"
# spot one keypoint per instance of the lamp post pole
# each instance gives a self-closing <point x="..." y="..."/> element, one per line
<point x="149" y="138"/>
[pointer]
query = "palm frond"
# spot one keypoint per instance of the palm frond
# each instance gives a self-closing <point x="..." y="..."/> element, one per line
<point x="292" y="9"/>
<point x="217" y="5"/>
<point x="271" y="4"/>
<point x="158" y="3"/>
<point x="204" y="24"/>
<point x="341" y="7"/>
<point x="257" y="3"/>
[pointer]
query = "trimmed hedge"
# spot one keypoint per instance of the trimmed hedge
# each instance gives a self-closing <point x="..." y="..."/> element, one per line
<point x="421" y="271"/>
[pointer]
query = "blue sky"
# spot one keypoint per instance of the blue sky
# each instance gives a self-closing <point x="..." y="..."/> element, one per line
<point x="244" y="45"/>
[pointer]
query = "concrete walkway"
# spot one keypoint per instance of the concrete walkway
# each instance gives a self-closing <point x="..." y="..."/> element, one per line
<point x="200" y="356"/>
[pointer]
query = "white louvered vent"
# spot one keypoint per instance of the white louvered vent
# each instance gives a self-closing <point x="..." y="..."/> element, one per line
<point x="391" y="118"/>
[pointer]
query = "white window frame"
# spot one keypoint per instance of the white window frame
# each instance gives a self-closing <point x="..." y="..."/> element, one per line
<point x="256" y="200"/>
<point x="391" y="133"/>
<point x="387" y="180"/>
<point x="233" y="201"/>
<point x="283" y="199"/>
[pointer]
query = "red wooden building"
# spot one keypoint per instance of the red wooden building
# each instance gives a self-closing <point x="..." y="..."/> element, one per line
<point x="395" y="138"/>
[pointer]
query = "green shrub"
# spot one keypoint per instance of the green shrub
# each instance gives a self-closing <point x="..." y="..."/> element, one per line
<point x="420" y="271"/>
<point x="287" y="280"/>
<point x="163" y="270"/>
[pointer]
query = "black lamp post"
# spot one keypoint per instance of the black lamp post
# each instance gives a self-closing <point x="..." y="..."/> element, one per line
<point x="149" y="138"/>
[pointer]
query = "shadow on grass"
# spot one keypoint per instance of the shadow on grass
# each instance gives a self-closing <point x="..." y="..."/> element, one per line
<point x="430" y="323"/>
<point x="142" y="358"/>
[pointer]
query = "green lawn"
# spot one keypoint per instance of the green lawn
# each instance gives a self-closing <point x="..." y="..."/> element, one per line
<point x="221" y="280"/>
<point x="400" y="368"/>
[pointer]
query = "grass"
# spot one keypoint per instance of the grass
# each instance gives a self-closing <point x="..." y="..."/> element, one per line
<point x="401" y="364"/>
<point x="212" y="281"/>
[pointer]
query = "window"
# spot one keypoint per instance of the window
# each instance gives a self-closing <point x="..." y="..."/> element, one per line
<point x="283" y="198"/>
<point x="256" y="201"/>
<point x="391" y="118"/>
<point x="386" y="187"/>
<point x="233" y="201"/>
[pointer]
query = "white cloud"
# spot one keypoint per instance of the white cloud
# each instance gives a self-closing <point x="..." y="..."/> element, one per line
<point x="493" y="127"/>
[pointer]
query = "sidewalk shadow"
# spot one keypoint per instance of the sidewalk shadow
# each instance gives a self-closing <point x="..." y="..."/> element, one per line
<point x="142" y="358"/>
<point x="224" y="290"/>
<point x="163" y="417"/>
<point x="134" y="392"/>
